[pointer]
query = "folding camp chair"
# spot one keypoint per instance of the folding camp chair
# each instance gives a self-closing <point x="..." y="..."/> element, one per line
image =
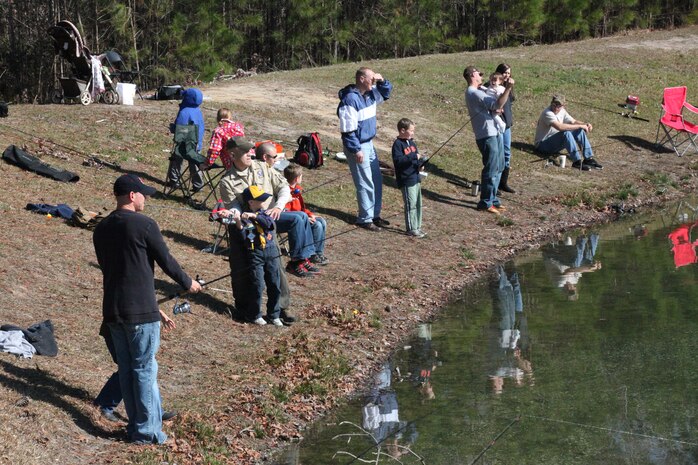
<point x="678" y="133"/>
<point x="183" y="149"/>
<point x="221" y="229"/>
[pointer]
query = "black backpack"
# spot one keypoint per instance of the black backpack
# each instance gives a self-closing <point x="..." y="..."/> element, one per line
<point x="309" y="153"/>
<point x="4" y="111"/>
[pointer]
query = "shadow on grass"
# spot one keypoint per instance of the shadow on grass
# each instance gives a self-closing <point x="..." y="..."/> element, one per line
<point x="198" y="244"/>
<point x="339" y="214"/>
<point x="638" y="144"/>
<point x="168" y="288"/>
<point x="451" y="178"/>
<point x="436" y="197"/>
<point x="530" y="149"/>
<point x="42" y="386"/>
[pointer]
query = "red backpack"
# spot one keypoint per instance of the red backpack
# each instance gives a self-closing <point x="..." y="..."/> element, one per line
<point x="309" y="153"/>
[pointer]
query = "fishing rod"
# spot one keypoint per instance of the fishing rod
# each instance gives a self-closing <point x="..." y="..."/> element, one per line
<point x="203" y="284"/>
<point x="452" y="136"/>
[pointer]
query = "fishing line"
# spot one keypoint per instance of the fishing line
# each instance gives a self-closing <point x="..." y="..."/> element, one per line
<point x="493" y="441"/>
<point x="611" y="430"/>
<point x="619" y="113"/>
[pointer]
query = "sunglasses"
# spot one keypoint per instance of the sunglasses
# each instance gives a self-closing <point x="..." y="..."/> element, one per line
<point x="273" y="157"/>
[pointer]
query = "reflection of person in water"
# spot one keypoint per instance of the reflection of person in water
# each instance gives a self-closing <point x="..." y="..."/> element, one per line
<point x="512" y="328"/>
<point x="566" y="262"/>
<point x="423" y="361"/>
<point x="684" y="250"/>
<point x="381" y="419"/>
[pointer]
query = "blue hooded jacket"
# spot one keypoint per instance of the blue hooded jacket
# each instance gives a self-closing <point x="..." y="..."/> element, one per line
<point x="357" y="113"/>
<point x="189" y="113"/>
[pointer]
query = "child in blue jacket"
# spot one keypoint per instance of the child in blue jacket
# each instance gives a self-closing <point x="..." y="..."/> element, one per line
<point x="189" y="113"/>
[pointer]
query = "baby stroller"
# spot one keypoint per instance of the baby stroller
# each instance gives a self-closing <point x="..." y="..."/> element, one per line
<point x="88" y="80"/>
<point x="117" y="70"/>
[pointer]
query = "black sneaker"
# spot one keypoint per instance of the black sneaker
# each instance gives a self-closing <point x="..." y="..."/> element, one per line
<point x="166" y="416"/>
<point x="579" y="165"/>
<point x="297" y="268"/>
<point x="368" y="226"/>
<point x="320" y="259"/>
<point x="380" y="222"/>
<point x="593" y="163"/>
<point x="287" y="317"/>
<point x="310" y="267"/>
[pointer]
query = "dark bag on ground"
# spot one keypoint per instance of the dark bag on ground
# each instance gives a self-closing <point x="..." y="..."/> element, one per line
<point x="309" y="153"/>
<point x="16" y="156"/>
<point x="169" y="93"/>
<point x="4" y="110"/>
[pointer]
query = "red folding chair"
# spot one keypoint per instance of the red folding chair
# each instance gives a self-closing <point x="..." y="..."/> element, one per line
<point x="678" y="133"/>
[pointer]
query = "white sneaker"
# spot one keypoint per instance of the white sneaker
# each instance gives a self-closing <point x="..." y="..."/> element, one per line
<point x="277" y="322"/>
<point x="260" y="321"/>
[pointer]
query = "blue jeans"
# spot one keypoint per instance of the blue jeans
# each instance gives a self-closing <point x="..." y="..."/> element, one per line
<point x="319" y="229"/>
<point x="110" y="395"/>
<point x="300" y="235"/>
<point x="136" y="346"/>
<point x="492" y="151"/>
<point x="506" y="141"/>
<point x="585" y="254"/>
<point x="368" y="181"/>
<point x="568" y="140"/>
<point x="265" y="270"/>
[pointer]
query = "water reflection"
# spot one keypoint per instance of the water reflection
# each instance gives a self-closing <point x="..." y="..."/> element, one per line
<point x="683" y="248"/>
<point x="381" y="418"/>
<point x="517" y="373"/>
<point x="423" y="361"/>
<point x="508" y="361"/>
<point x="567" y="261"/>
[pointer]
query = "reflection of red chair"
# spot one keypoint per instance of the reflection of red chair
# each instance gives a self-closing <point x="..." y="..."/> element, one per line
<point x="684" y="250"/>
<point x="678" y="132"/>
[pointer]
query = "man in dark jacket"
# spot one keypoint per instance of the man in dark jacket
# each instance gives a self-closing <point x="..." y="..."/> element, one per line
<point x="128" y="244"/>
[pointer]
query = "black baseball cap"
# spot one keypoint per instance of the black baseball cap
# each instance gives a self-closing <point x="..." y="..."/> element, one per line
<point x="128" y="183"/>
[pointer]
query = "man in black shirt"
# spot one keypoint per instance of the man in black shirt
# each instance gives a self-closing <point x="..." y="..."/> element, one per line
<point x="128" y="245"/>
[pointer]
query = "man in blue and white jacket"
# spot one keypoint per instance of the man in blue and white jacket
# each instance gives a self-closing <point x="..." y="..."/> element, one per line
<point x="357" y="122"/>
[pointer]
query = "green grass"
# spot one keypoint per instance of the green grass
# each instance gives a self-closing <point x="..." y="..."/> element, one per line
<point x="626" y="191"/>
<point x="466" y="254"/>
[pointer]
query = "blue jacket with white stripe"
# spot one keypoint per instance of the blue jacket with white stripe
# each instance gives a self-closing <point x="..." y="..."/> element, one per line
<point x="357" y="113"/>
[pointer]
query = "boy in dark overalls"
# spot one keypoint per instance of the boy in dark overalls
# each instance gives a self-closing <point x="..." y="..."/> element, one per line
<point x="257" y="227"/>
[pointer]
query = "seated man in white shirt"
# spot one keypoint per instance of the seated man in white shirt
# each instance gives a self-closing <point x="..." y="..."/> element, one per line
<point x="558" y="130"/>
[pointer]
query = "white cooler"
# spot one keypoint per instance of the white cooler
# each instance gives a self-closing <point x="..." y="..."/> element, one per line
<point x="126" y="93"/>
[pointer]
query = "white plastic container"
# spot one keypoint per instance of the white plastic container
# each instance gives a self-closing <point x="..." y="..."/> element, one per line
<point x="126" y="93"/>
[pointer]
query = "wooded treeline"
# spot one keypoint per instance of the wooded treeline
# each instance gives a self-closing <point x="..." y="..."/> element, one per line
<point x="172" y="41"/>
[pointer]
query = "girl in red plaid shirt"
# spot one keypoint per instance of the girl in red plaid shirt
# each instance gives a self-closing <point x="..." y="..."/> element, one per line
<point x="227" y="128"/>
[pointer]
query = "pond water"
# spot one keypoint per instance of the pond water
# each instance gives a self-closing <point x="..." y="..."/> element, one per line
<point x="581" y="353"/>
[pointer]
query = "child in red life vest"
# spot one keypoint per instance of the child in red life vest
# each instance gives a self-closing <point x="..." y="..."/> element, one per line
<point x="294" y="175"/>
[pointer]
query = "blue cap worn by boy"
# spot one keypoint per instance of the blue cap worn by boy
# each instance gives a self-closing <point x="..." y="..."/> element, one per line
<point x="259" y="228"/>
